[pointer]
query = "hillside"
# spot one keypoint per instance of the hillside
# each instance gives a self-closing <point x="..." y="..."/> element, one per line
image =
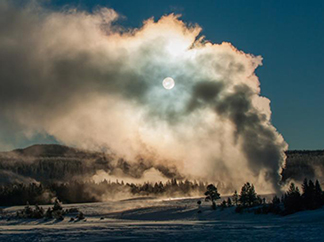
<point x="46" y="163"/>
<point x="50" y="162"/>
<point x="304" y="163"/>
<point x="53" y="150"/>
<point x="61" y="163"/>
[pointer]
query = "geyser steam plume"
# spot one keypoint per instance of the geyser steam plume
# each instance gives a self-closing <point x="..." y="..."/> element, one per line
<point x="90" y="83"/>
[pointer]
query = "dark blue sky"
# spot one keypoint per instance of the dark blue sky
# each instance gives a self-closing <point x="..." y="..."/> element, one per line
<point x="288" y="34"/>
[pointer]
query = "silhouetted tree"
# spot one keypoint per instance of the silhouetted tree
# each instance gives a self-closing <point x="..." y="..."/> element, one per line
<point x="274" y="206"/>
<point x="248" y="196"/>
<point x="275" y="200"/>
<point x="308" y="194"/>
<point x="57" y="210"/>
<point x="319" y="199"/>
<point x="38" y="212"/>
<point x="292" y="200"/>
<point x="48" y="213"/>
<point x="223" y="204"/>
<point x="235" y="198"/>
<point x="229" y="202"/>
<point x="27" y="211"/>
<point x="57" y="205"/>
<point x="212" y="195"/>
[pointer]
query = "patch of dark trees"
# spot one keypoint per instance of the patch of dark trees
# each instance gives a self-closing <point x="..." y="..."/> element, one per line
<point x="81" y="192"/>
<point x="303" y="163"/>
<point x="292" y="201"/>
<point x="67" y="168"/>
<point x="56" y="212"/>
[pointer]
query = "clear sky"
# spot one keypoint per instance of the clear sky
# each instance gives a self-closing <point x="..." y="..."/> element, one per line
<point x="288" y="35"/>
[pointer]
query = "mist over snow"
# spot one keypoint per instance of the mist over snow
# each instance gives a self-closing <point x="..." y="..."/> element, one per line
<point x="91" y="83"/>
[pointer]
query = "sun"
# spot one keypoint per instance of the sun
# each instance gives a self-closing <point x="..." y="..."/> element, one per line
<point x="168" y="83"/>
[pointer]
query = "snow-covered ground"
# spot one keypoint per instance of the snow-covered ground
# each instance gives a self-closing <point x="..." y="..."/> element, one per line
<point x="153" y="219"/>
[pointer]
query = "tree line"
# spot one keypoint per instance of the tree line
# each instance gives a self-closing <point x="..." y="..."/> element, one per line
<point x="311" y="197"/>
<point x="293" y="200"/>
<point x="303" y="163"/>
<point x="80" y="192"/>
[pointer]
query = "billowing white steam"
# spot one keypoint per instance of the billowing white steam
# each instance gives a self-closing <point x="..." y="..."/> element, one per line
<point x="81" y="78"/>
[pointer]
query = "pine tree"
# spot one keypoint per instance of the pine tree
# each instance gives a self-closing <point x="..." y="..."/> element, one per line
<point x="48" y="214"/>
<point x="292" y="199"/>
<point x="212" y="195"/>
<point x="38" y="212"/>
<point x="57" y="205"/>
<point x="235" y="198"/>
<point x="248" y="196"/>
<point x="308" y="194"/>
<point x="223" y="204"/>
<point x="305" y="186"/>
<point x="27" y="212"/>
<point x="229" y="202"/>
<point x="275" y="200"/>
<point x="318" y="195"/>
<point x="253" y="199"/>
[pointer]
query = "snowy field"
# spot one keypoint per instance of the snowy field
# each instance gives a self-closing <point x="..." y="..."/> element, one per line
<point x="164" y="220"/>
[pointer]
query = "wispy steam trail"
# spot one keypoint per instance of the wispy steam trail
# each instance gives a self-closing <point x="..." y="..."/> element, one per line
<point x="80" y="78"/>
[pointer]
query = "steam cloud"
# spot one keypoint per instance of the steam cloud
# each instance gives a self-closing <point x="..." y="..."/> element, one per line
<point x="90" y="83"/>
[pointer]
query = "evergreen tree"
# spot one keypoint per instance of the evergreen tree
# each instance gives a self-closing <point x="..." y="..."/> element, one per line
<point x="48" y="213"/>
<point x="57" y="205"/>
<point x="318" y="195"/>
<point x="248" y="196"/>
<point x="275" y="200"/>
<point x="292" y="200"/>
<point x="274" y="206"/>
<point x="235" y="198"/>
<point x="27" y="211"/>
<point x="229" y="202"/>
<point x="223" y="204"/>
<point x="305" y="186"/>
<point x="38" y="212"/>
<point x="308" y="194"/>
<point x="212" y="195"/>
<point x="253" y="199"/>
<point x="57" y="211"/>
